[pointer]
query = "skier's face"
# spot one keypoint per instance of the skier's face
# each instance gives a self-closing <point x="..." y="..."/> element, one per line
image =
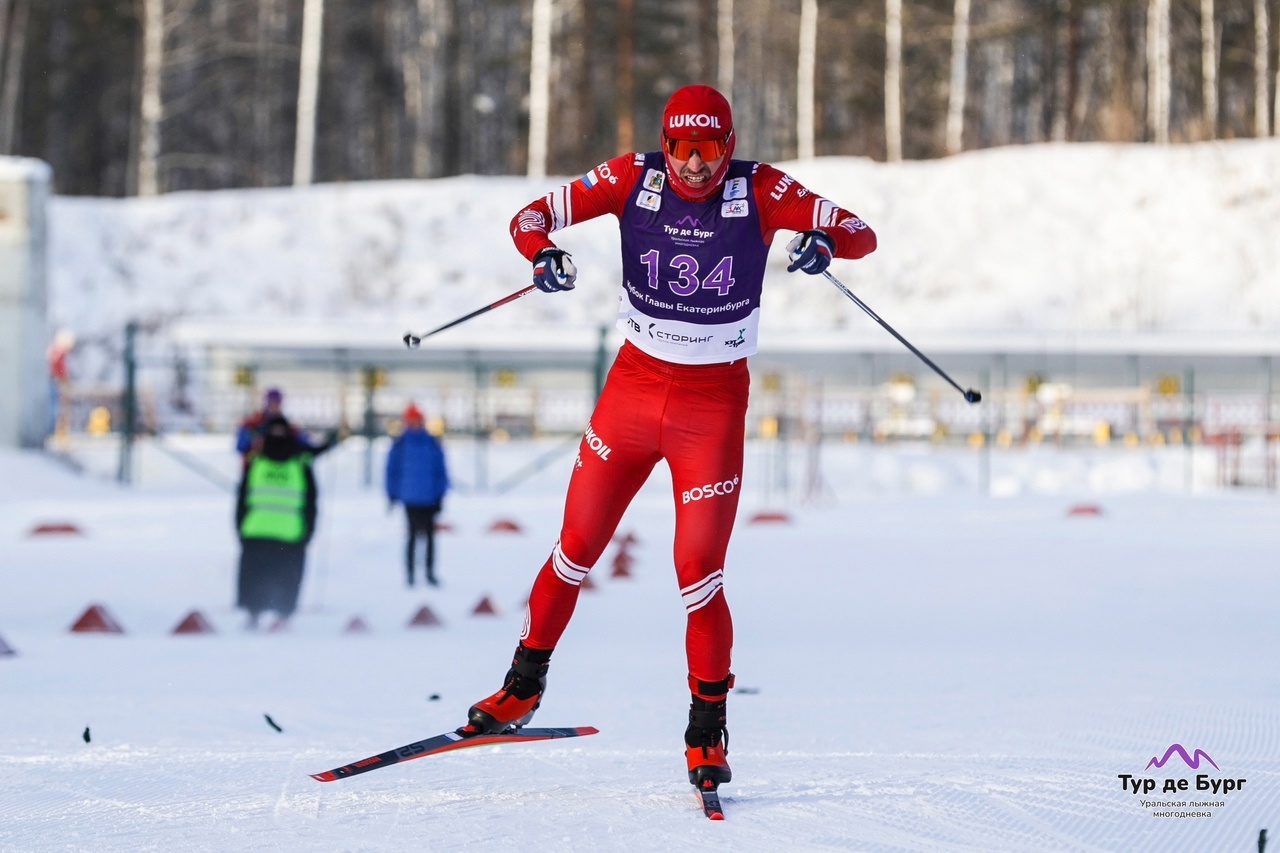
<point x="697" y="166"/>
<point x="695" y="172"/>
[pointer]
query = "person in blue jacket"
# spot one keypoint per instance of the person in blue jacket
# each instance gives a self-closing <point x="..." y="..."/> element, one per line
<point x="417" y="477"/>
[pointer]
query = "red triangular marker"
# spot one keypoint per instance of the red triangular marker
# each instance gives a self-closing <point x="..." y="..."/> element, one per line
<point x="56" y="528"/>
<point x="356" y="626"/>
<point x="485" y="608"/>
<point x="424" y="618"/>
<point x="96" y="620"/>
<point x="769" y="517"/>
<point x="622" y="564"/>
<point x="505" y="525"/>
<point x="194" y="623"/>
<point x="6" y="650"/>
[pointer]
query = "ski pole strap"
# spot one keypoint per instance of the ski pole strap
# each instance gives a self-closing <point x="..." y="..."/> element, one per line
<point x="713" y="691"/>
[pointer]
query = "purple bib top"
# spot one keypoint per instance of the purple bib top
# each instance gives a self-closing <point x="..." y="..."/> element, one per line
<point x="692" y="271"/>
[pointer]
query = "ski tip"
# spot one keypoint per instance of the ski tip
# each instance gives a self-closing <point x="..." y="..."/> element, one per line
<point x="715" y="815"/>
<point x="587" y="730"/>
<point x="326" y="776"/>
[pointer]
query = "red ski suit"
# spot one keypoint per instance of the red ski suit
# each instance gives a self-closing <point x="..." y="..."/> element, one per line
<point x="673" y="393"/>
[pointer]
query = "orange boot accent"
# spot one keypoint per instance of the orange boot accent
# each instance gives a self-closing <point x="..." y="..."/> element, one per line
<point x="512" y="707"/>
<point x="502" y="711"/>
<point x="707" y="764"/>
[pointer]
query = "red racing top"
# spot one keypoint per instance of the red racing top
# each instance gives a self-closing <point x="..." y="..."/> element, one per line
<point x="692" y="270"/>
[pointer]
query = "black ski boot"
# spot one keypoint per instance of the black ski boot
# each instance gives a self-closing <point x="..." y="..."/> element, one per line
<point x="707" y="739"/>
<point x="512" y="707"/>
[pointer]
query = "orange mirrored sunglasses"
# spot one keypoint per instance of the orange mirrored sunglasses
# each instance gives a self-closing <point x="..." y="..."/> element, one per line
<point x="708" y="149"/>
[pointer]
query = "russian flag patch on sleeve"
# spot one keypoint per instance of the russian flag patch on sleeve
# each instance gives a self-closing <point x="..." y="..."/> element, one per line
<point x="589" y="180"/>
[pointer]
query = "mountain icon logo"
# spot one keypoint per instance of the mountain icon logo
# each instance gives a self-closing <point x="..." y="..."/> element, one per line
<point x="688" y="222"/>
<point x="1192" y="760"/>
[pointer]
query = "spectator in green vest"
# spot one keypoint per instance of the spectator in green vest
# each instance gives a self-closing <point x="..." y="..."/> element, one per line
<point x="275" y="517"/>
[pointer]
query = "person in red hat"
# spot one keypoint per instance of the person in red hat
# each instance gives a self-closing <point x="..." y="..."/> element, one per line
<point x="418" y="478"/>
<point x="696" y="226"/>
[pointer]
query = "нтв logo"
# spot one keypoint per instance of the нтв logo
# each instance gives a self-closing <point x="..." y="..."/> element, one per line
<point x="1192" y="760"/>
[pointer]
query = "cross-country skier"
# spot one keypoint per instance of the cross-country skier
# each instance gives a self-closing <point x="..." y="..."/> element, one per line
<point x="696" y="226"/>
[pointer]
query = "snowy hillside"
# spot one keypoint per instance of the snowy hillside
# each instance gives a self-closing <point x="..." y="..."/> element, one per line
<point x="1054" y="238"/>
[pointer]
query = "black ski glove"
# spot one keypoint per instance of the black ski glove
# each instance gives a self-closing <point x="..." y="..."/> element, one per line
<point x="553" y="270"/>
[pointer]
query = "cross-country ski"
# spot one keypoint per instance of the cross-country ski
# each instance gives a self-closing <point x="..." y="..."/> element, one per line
<point x="709" y="799"/>
<point x="446" y="742"/>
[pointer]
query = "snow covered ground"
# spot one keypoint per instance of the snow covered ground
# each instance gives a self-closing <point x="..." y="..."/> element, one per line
<point x="919" y="669"/>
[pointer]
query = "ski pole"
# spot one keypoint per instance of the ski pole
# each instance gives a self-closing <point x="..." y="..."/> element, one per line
<point x="970" y="395"/>
<point x="411" y="340"/>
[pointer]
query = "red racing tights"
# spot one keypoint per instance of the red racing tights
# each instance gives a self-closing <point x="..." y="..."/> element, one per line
<point x="694" y="417"/>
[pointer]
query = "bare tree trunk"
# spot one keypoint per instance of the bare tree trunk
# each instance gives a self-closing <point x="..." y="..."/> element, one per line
<point x="6" y="33"/>
<point x="959" y="78"/>
<point x="1209" y="67"/>
<point x="804" y="79"/>
<point x="539" y="88"/>
<point x="433" y="20"/>
<point x="304" y="150"/>
<point x="1158" y="70"/>
<point x="1261" y="40"/>
<point x="264" y="68"/>
<point x="151" y="111"/>
<point x="893" y="80"/>
<point x="724" y="37"/>
<point x="626" y="99"/>
<point x="412" y="51"/>
<point x="1062" y="72"/>
<point x="10" y="102"/>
